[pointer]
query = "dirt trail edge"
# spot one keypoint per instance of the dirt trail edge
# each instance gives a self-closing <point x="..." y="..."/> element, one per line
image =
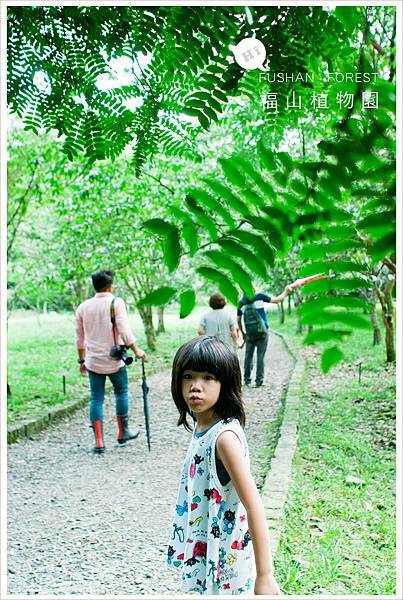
<point x="85" y="524"/>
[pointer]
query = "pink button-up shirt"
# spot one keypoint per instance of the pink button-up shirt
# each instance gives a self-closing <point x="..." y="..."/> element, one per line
<point x="94" y="332"/>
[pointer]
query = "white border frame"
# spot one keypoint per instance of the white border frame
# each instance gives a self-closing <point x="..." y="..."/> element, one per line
<point x="4" y="4"/>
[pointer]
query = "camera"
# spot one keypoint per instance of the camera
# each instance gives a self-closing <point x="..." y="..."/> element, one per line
<point x="119" y="352"/>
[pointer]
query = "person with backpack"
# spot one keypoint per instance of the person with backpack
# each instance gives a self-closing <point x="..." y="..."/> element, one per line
<point x="254" y="328"/>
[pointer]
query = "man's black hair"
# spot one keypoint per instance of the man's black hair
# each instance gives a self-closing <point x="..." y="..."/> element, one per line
<point x="101" y="280"/>
<point x="207" y="353"/>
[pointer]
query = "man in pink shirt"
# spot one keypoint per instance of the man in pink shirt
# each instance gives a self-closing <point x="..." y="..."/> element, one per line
<point x="95" y="336"/>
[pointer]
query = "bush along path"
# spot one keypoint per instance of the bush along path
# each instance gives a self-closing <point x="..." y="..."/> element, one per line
<point x="84" y="524"/>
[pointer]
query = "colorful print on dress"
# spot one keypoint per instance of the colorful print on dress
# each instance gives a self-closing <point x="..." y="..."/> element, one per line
<point x="196" y="461"/>
<point x="182" y="509"/>
<point x="229" y="521"/>
<point x="242" y="543"/>
<point x="213" y="494"/>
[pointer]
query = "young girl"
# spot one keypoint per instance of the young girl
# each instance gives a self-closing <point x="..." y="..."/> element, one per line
<point x="219" y="539"/>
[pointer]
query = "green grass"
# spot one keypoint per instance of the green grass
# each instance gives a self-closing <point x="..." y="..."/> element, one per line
<point x="339" y="538"/>
<point x="39" y="349"/>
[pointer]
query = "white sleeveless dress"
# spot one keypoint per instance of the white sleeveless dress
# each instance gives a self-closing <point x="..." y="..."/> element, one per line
<point x="210" y="543"/>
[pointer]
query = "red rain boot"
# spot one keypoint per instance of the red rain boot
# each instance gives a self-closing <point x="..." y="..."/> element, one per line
<point x="99" y="438"/>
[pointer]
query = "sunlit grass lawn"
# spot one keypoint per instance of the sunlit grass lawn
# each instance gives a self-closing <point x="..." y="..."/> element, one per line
<point x="339" y="537"/>
<point x="39" y="349"/>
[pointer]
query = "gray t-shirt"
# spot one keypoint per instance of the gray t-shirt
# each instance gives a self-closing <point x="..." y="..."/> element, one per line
<point x="219" y="322"/>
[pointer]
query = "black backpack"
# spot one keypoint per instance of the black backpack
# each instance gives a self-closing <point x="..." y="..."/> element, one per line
<point x="254" y="324"/>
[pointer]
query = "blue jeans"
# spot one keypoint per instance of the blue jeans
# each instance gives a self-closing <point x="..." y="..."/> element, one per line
<point x="97" y="392"/>
<point x="260" y="343"/>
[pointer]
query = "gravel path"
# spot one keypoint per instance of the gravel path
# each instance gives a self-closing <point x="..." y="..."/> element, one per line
<point x="85" y="524"/>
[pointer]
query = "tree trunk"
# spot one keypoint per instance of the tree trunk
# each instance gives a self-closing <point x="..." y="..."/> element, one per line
<point x="161" y="324"/>
<point x="376" y="338"/>
<point x="389" y="338"/>
<point x="297" y="304"/>
<point x="386" y="301"/>
<point x="146" y="315"/>
<point x="38" y="313"/>
<point x="289" y="304"/>
<point x="281" y="314"/>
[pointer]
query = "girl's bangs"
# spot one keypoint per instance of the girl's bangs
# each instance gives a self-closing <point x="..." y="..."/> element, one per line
<point x="205" y="356"/>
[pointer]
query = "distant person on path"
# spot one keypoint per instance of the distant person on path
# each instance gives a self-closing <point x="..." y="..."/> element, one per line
<point x="219" y="539"/>
<point x="219" y="322"/>
<point x="95" y="336"/>
<point x="254" y="327"/>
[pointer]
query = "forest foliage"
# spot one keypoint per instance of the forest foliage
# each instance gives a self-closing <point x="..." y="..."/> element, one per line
<point x="185" y="168"/>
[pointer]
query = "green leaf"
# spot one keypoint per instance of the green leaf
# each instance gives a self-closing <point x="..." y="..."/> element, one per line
<point x="239" y="275"/>
<point x="212" y="204"/>
<point x="325" y="317"/>
<point x="226" y="194"/>
<point x="203" y="120"/>
<point x="249" y="258"/>
<point x="220" y="95"/>
<point x="203" y="219"/>
<point x="299" y="187"/>
<point x="280" y="178"/>
<point x="336" y="266"/>
<point x="224" y="283"/>
<point x="330" y="186"/>
<point x="321" y="249"/>
<point x="271" y="231"/>
<point x="231" y="172"/>
<point x="248" y="168"/>
<point x="172" y="250"/>
<point x="322" y="199"/>
<point x="338" y="215"/>
<point x="210" y="113"/>
<point x="159" y="227"/>
<point x="286" y="160"/>
<point x="378" y="222"/>
<point x="327" y="285"/>
<point x="193" y="112"/>
<point x="187" y="301"/>
<point x="215" y="105"/>
<point x="267" y="157"/>
<point x="158" y="297"/>
<point x="317" y="304"/>
<point x="383" y="247"/>
<point x="348" y="17"/>
<point x="326" y="335"/>
<point x="253" y="197"/>
<point x="340" y="232"/>
<point x="330" y="357"/>
<point x="280" y="216"/>
<point x="180" y="215"/>
<point x="261" y="247"/>
<point x="189" y="234"/>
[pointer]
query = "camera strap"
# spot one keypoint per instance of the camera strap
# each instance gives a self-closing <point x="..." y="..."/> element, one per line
<point x="113" y="319"/>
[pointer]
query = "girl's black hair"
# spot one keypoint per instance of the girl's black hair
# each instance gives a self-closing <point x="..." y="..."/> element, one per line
<point x="206" y="353"/>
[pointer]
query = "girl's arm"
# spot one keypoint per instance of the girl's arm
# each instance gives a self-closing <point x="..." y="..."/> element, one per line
<point x="231" y="454"/>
